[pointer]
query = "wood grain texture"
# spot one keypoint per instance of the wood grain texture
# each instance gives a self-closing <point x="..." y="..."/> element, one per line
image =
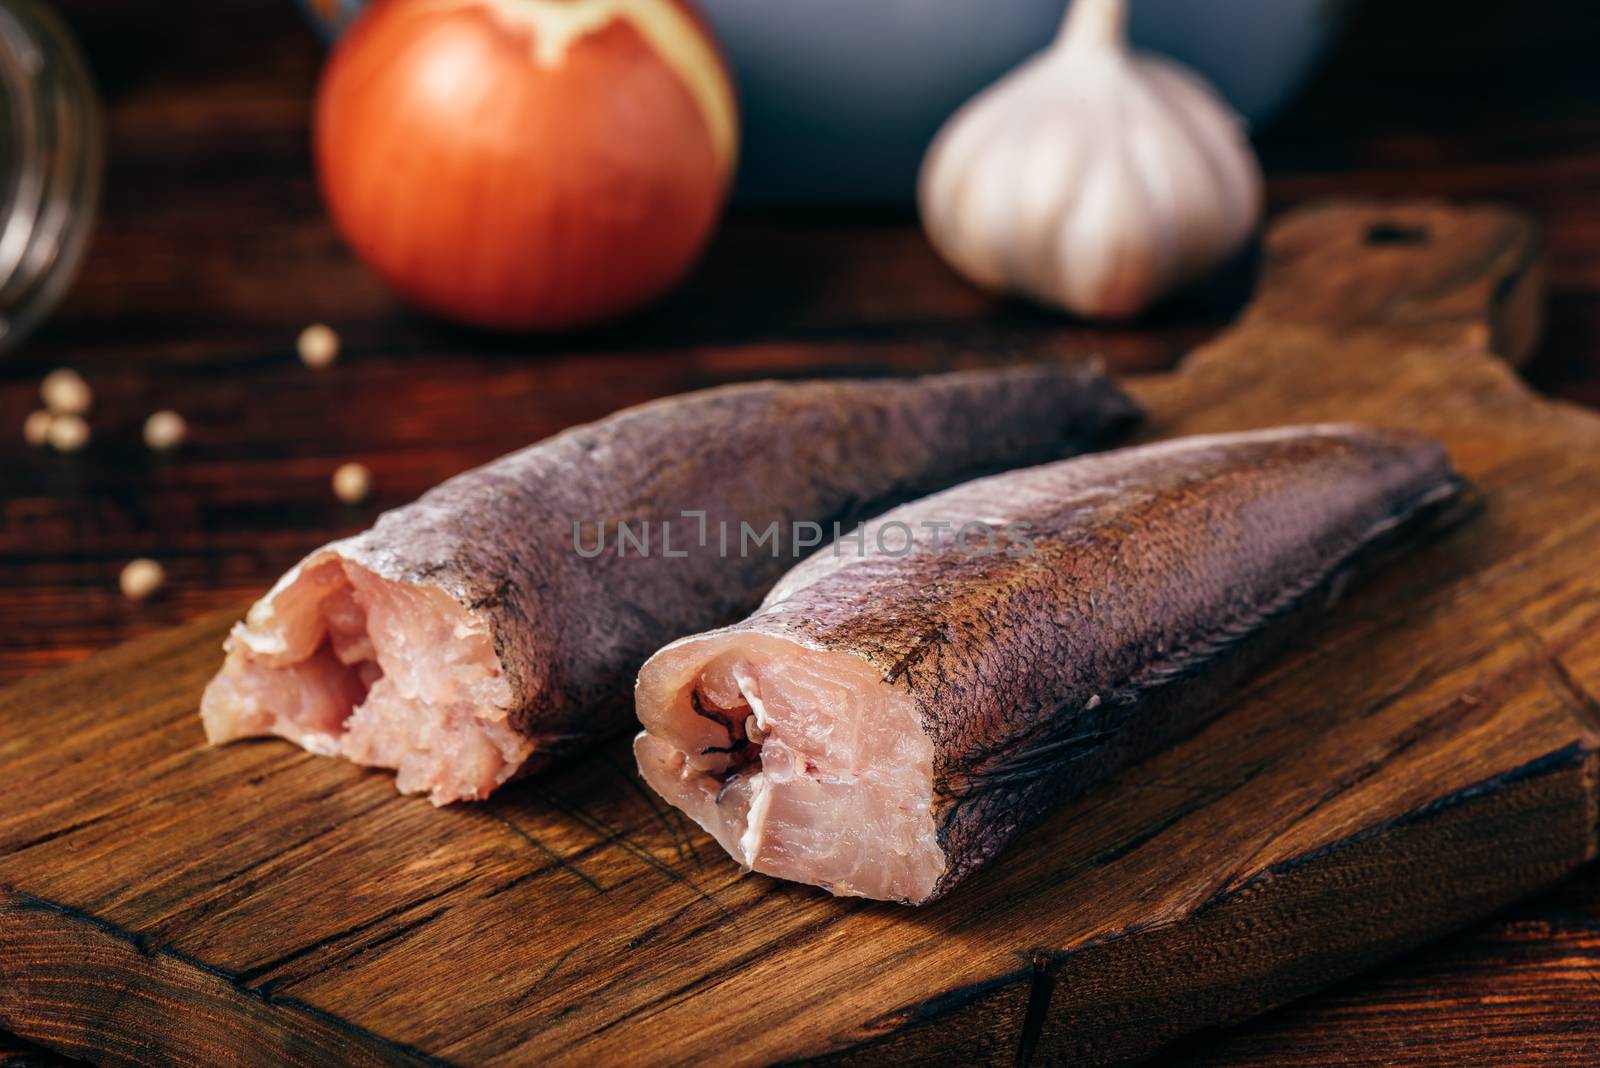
<point x="1511" y="992"/>
<point x="213" y="252"/>
<point x="1421" y="759"/>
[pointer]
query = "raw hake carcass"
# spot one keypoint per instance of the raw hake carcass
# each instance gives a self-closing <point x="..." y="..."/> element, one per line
<point x="501" y="618"/>
<point x="904" y="702"/>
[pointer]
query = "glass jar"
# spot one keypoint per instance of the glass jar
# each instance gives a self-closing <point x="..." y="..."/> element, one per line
<point x="52" y="157"/>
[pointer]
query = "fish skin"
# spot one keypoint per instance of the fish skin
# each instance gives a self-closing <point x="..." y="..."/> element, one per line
<point x="1158" y="576"/>
<point x="570" y="632"/>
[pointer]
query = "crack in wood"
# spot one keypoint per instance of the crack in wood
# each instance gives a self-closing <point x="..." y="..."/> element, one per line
<point x="1563" y="759"/>
<point x="399" y="1052"/>
<point x="1040" y="989"/>
<point x="599" y="827"/>
<point x="643" y="938"/>
<point x="560" y="860"/>
<point x="249" y="975"/>
<point x="1562" y="683"/>
<point x="61" y="832"/>
<point x="670" y="818"/>
<point x="300" y="843"/>
<point x="555" y="965"/>
<point x="1154" y="830"/>
<point x="788" y="940"/>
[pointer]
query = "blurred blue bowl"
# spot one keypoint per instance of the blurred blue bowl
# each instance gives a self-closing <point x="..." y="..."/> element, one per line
<point x="331" y="16"/>
<point x="841" y="97"/>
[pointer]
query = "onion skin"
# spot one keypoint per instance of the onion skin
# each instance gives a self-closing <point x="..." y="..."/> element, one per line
<point x="497" y="180"/>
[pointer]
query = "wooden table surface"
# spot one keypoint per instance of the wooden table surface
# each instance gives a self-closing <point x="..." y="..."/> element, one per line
<point x="213" y="253"/>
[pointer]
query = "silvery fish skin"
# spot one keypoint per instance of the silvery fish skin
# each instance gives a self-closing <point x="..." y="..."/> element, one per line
<point x="469" y="637"/>
<point x="901" y="706"/>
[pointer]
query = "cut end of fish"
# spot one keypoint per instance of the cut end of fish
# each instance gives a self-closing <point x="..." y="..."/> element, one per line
<point x="803" y="764"/>
<point x="385" y="674"/>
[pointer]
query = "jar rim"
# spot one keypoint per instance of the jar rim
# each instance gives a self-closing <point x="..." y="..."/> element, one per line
<point x="52" y="142"/>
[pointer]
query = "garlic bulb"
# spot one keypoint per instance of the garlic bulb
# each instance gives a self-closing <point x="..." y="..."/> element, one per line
<point x="1091" y="178"/>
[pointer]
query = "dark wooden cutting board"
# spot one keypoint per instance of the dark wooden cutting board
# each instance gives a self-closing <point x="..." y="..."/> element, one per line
<point x="1422" y="757"/>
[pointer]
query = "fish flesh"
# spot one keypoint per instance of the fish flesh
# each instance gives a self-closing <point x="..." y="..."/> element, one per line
<point x="903" y="704"/>
<point x="489" y="626"/>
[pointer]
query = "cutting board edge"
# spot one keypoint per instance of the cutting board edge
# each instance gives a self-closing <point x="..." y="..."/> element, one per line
<point x="159" y="972"/>
<point x="1039" y="983"/>
<point x="162" y="973"/>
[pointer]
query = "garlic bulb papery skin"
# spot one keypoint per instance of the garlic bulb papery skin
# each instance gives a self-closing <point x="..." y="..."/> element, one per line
<point x="1091" y="178"/>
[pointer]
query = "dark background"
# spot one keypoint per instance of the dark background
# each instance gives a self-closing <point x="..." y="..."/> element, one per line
<point x="213" y="253"/>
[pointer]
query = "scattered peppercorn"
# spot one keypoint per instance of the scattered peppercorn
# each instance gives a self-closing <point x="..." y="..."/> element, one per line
<point x="65" y="392"/>
<point x="141" y="578"/>
<point x="352" y="483"/>
<point x="319" y="345"/>
<point x="68" y="433"/>
<point x="36" y="428"/>
<point x="165" y="430"/>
